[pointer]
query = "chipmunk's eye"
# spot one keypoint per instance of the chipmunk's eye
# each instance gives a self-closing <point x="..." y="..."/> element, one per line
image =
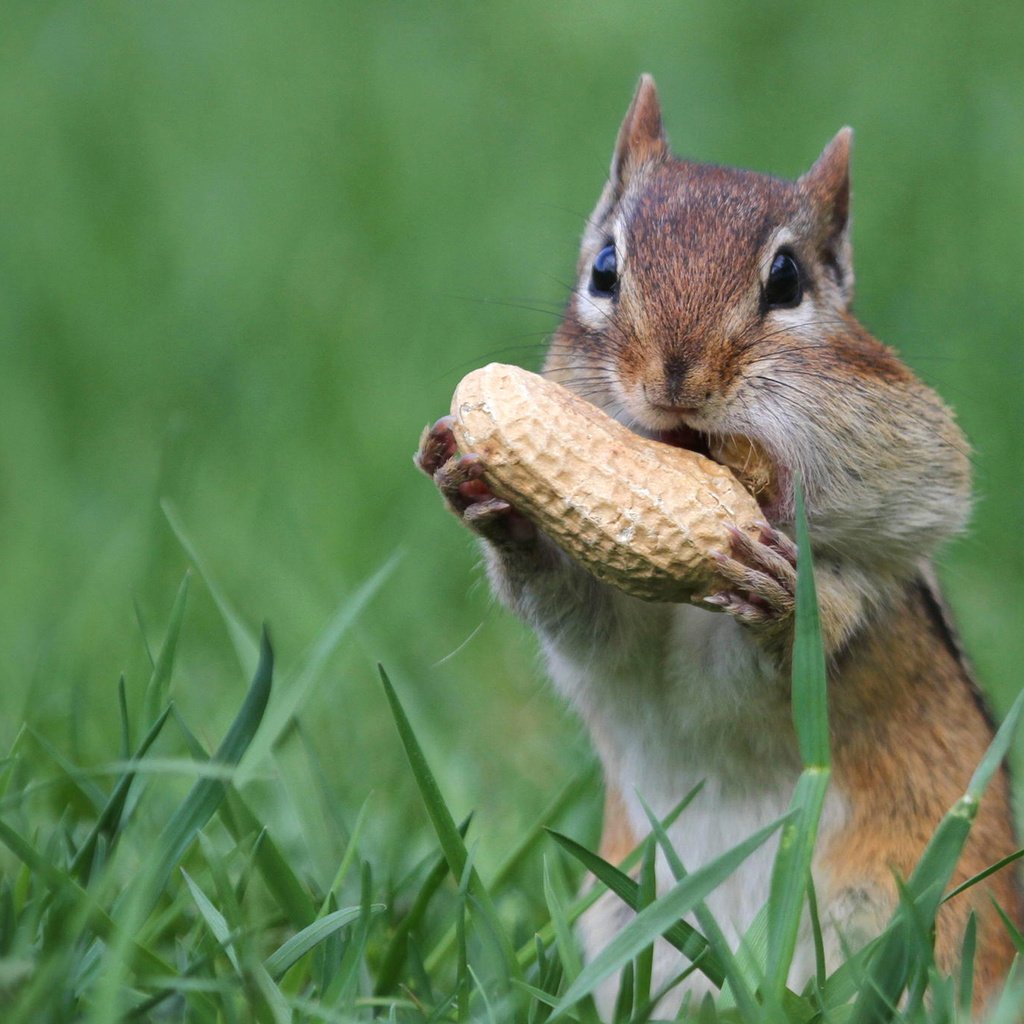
<point x="784" y="287"/>
<point x="604" y="275"/>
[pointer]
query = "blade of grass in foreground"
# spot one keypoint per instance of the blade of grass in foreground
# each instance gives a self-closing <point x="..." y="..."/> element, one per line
<point x="566" y="943"/>
<point x="444" y="825"/>
<point x="967" y="952"/>
<point x="530" y="838"/>
<point x="982" y="875"/>
<point x="810" y="690"/>
<point x="617" y="881"/>
<point x="394" y="956"/>
<point x="1010" y="1008"/>
<point x="206" y="795"/>
<point x="275" y="869"/>
<point x="653" y="922"/>
<point x="644" y="964"/>
<point x="740" y="987"/>
<point x="136" y="903"/>
<point x="81" y="780"/>
<point x="682" y="935"/>
<point x="278" y="874"/>
<point x="302" y="942"/>
<point x="214" y="919"/>
<point x="107" y="819"/>
<point x="535" y="833"/>
<point x="791" y="872"/>
<point x="298" y="686"/>
<point x="85" y="904"/>
<point x="1011" y="929"/>
<point x="246" y="647"/>
<point x="158" y="686"/>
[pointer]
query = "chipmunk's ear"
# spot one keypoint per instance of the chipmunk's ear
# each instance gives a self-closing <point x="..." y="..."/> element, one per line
<point x="827" y="187"/>
<point x="641" y="136"/>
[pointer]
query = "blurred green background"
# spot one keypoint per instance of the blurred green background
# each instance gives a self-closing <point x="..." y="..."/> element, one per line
<point x="248" y="249"/>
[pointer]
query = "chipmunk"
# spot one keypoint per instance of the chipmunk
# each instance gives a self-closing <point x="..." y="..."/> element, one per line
<point x="713" y="310"/>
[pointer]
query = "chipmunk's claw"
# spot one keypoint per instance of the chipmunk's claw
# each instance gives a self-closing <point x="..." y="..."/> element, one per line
<point x="747" y="612"/>
<point x="437" y="446"/>
<point x="761" y="573"/>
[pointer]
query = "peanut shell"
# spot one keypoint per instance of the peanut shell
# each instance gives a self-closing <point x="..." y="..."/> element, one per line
<point x="639" y="514"/>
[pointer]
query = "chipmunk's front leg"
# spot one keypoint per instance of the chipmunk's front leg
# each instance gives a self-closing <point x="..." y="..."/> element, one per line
<point x="761" y="572"/>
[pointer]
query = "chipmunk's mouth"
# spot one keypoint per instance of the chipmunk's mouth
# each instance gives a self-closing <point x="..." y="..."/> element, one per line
<point x="744" y="457"/>
<point x="686" y="437"/>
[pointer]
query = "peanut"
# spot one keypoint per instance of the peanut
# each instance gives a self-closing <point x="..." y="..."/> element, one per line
<point x="639" y="514"/>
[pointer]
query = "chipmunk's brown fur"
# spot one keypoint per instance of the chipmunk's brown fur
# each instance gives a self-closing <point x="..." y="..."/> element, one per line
<point x="714" y="305"/>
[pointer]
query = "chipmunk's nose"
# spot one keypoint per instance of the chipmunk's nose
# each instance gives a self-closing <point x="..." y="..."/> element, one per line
<point x="676" y="368"/>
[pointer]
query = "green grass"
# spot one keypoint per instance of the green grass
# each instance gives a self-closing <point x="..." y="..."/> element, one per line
<point x="136" y="904"/>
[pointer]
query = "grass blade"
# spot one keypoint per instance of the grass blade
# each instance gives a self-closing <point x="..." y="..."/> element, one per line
<point x="214" y="919"/>
<point x="810" y="690"/>
<point x="651" y="923"/>
<point x="791" y="875"/>
<point x="997" y="751"/>
<point x="274" y="868"/>
<point x="292" y="950"/>
<point x="752" y="952"/>
<point x="982" y="875"/>
<point x="520" y="851"/>
<point x="820" y="972"/>
<point x="1010" y="1007"/>
<point x="122" y="708"/>
<point x="391" y="962"/>
<point x="342" y="988"/>
<point x="1011" y="929"/>
<point x="206" y="795"/>
<point x="74" y="775"/>
<point x="627" y="890"/>
<point x="81" y="863"/>
<point x="281" y="880"/>
<point x="297" y="687"/>
<point x="158" y="687"/>
<point x="739" y="985"/>
<point x="682" y="935"/>
<point x="791" y="871"/>
<point x="573" y="788"/>
<point x="645" y="959"/>
<point x="940" y="857"/>
<point x="967" y="964"/>
<point x="566" y="942"/>
<point x="444" y="826"/>
<point x="625" y="1001"/>
<point x="245" y="646"/>
<point x="347" y="857"/>
<point x="85" y="904"/>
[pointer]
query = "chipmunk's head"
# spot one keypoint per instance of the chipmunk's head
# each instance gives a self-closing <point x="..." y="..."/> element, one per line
<point x="712" y="309"/>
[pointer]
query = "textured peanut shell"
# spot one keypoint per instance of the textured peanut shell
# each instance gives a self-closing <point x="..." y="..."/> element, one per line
<point x="641" y="515"/>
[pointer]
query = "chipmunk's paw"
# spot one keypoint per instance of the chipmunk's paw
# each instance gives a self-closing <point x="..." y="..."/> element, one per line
<point x="459" y="479"/>
<point x="761" y="572"/>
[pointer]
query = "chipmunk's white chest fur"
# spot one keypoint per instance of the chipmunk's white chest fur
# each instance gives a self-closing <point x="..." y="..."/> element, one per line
<point x="688" y="698"/>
